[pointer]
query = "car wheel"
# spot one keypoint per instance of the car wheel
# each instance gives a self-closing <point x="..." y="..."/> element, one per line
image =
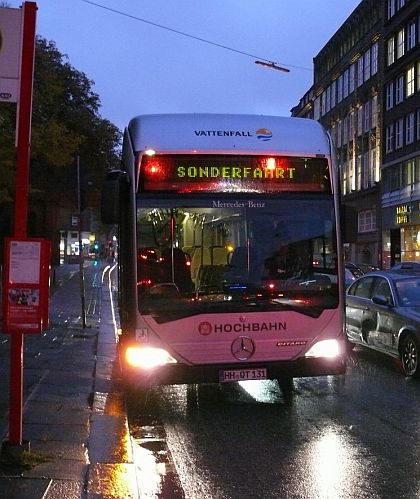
<point x="409" y="354"/>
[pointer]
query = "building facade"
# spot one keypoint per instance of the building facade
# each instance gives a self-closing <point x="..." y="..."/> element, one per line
<point x="353" y="79"/>
<point x="401" y="132"/>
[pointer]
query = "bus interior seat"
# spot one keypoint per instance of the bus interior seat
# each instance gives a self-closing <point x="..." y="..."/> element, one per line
<point x="182" y="272"/>
<point x="189" y="250"/>
<point x="200" y="257"/>
<point x="219" y="255"/>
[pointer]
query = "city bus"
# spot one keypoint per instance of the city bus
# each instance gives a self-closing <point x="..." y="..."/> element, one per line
<point x="229" y="259"/>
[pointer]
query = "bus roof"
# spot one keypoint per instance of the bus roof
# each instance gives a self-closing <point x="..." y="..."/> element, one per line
<point x="228" y="134"/>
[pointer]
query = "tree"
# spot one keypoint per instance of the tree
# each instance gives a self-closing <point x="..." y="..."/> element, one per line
<point x="65" y="124"/>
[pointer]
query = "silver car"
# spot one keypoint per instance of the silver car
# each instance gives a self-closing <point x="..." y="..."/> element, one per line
<point x="383" y="313"/>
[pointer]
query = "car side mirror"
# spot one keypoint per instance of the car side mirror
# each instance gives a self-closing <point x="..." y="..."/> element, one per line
<point x="381" y="300"/>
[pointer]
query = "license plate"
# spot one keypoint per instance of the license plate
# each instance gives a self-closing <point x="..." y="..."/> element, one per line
<point x="229" y="375"/>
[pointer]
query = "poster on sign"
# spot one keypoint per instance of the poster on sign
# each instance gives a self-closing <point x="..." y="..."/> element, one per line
<point x="25" y="285"/>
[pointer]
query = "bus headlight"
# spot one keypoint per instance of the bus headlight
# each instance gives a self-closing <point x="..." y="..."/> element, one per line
<point x="325" y="348"/>
<point x="148" y="357"/>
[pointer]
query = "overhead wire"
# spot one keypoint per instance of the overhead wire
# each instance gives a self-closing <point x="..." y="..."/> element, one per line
<point x="267" y="62"/>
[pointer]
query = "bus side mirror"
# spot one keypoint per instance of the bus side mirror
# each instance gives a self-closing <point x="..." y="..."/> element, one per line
<point x="115" y="184"/>
<point x="349" y="220"/>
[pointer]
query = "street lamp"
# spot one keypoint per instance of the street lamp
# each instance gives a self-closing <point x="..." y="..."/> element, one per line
<point x="272" y="65"/>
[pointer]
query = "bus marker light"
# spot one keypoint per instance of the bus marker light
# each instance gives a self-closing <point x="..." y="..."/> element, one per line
<point x="325" y="348"/>
<point x="148" y="358"/>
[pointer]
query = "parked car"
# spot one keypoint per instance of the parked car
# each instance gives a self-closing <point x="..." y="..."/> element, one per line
<point x="349" y="277"/>
<point x="383" y="313"/>
<point x="407" y="266"/>
<point x="358" y="269"/>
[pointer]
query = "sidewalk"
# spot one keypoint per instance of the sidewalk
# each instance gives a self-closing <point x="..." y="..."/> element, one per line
<point x="74" y="417"/>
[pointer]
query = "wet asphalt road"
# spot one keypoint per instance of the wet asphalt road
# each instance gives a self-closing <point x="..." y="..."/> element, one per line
<point x="355" y="436"/>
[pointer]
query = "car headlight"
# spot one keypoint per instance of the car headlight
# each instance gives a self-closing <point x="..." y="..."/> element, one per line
<point x="148" y="357"/>
<point x="325" y="348"/>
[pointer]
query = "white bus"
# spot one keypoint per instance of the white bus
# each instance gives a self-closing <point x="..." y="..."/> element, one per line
<point x="230" y="262"/>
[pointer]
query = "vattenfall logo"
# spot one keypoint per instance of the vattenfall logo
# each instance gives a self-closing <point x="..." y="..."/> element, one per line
<point x="261" y="133"/>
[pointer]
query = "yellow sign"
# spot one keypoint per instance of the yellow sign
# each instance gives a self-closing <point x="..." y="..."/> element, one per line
<point x="234" y="172"/>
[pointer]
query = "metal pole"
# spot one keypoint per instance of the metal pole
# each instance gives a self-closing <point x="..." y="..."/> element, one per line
<point x="81" y="273"/>
<point x="23" y="132"/>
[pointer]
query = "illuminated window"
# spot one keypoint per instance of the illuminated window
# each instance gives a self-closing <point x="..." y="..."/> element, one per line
<point x="418" y="76"/>
<point x="390" y="51"/>
<point x="410" y="166"/>
<point x="366" y="171"/>
<point x="409" y="128"/>
<point x="374" y="111"/>
<point x="351" y="126"/>
<point x="400" y="43"/>
<point x="359" y="173"/>
<point x="339" y="133"/>
<point x="351" y="176"/>
<point x="375" y="164"/>
<point x="360" y="120"/>
<point x="410" y="81"/>
<point x="344" y="184"/>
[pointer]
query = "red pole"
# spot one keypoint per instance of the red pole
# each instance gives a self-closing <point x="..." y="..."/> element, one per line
<point x="23" y="134"/>
<point x="23" y="126"/>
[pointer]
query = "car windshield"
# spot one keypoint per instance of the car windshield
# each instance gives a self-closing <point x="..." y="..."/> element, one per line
<point x="408" y="291"/>
<point x="214" y="255"/>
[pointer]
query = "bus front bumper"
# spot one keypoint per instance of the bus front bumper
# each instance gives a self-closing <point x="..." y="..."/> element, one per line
<point x="173" y="374"/>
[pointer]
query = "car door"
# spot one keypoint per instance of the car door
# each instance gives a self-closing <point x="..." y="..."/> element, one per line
<point x="379" y="315"/>
<point x="358" y="300"/>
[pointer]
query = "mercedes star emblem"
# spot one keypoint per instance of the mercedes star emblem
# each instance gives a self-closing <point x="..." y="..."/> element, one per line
<point x="243" y="348"/>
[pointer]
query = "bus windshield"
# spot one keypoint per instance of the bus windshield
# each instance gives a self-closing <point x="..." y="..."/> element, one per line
<point x="231" y="254"/>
